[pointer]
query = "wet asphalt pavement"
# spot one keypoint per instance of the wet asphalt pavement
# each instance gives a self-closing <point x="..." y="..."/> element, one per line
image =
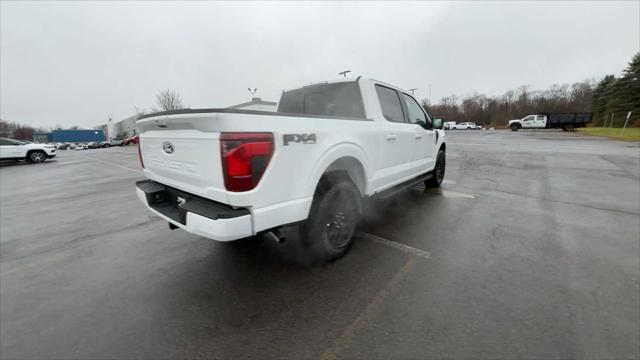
<point x="531" y="250"/>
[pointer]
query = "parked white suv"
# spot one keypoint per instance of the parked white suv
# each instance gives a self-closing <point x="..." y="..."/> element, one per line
<point x="17" y="150"/>
<point x="227" y="174"/>
<point x="467" y="126"/>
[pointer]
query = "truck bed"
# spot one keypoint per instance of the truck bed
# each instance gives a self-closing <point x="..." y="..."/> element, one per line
<point x="561" y="119"/>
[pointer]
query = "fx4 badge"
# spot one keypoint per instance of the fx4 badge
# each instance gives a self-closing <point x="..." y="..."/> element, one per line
<point x="298" y="138"/>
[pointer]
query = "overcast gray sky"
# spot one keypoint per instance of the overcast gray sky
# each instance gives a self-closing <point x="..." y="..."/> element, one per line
<point x="76" y="63"/>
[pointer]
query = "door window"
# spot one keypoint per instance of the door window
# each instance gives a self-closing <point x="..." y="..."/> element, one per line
<point x="390" y="104"/>
<point x="8" y="142"/>
<point x="415" y="111"/>
<point x="540" y="117"/>
<point x="529" y="118"/>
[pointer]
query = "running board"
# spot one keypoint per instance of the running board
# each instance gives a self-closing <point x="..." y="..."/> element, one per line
<point x="384" y="194"/>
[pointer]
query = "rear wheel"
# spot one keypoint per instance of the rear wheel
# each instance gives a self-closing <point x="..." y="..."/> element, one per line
<point x="568" y="127"/>
<point x="329" y="231"/>
<point x="107" y="145"/>
<point x="37" y="156"/>
<point x="438" y="171"/>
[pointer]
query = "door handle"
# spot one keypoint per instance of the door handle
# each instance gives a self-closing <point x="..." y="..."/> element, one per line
<point x="419" y="136"/>
<point x="391" y="137"/>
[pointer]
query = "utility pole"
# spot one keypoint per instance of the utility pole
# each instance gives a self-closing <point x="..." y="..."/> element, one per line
<point x="429" y="93"/>
<point x="412" y="90"/>
<point x="344" y="73"/>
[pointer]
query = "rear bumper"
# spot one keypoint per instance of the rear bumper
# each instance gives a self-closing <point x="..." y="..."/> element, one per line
<point x="195" y="214"/>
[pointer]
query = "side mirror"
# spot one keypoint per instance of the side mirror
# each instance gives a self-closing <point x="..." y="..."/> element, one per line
<point x="436" y="123"/>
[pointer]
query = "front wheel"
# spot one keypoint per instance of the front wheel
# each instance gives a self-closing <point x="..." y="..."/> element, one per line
<point x="329" y="231"/>
<point x="514" y="127"/>
<point x="37" y="156"/>
<point x="438" y="171"/>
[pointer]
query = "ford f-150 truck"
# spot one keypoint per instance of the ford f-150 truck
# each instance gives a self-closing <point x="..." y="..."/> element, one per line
<point x="227" y="174"/>
<point x="564" y="121"/>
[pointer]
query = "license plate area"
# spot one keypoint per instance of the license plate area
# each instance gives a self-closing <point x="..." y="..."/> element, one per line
<point x="175" y="204"/>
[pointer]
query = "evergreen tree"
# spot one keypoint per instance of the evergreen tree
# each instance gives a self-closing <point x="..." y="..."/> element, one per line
<point x="598" y="99"/>
<point x="628" y="89"/>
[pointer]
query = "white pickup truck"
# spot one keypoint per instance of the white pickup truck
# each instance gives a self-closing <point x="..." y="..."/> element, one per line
<point x="227" y="174"/>
<point x="564" y="121"/>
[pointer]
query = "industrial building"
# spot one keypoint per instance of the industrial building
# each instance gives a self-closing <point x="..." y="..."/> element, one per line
<point x="69" y="136"/>
<point x="122" y="129"/>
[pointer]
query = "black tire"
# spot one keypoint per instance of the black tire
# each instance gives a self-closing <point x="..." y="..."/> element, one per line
<point x="37" y="156"/>
<point x="514" y="127"/>
<point x="438" y="171"/>
<point x="107" y="145"/>
<point x="335" y="212"/>
<point x="568" y="127"/>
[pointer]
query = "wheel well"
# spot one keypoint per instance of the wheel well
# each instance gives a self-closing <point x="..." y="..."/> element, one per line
<point x="346" y="168"/>
<point x="34" y="150"/>
<point x="443" y="147"/>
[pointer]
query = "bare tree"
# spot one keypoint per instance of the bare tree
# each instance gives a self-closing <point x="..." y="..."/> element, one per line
<point x="169" y="100"/>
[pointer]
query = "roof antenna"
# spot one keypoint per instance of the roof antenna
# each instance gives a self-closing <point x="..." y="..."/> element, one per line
<point x="253" y="92"/>
<point x="344" y="73"/>
<point x="412" y="90"/>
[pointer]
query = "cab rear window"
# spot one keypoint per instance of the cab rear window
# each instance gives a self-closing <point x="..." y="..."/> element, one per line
<point x="340" y="100"/>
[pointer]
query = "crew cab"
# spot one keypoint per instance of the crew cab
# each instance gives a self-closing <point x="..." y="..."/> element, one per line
<point x="564" y="121"/>
<point x="11" y="149"/>
<point x="227" y="174"/>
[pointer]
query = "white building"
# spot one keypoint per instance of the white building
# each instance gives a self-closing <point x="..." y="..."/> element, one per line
<point x="122" y="129"/>
<point x="257" y="104"/>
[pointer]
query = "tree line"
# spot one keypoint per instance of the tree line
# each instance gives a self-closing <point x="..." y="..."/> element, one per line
<point x="609" y="96"/>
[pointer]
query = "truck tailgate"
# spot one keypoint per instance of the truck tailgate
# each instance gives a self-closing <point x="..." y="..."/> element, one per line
<point x="186" y="159"/>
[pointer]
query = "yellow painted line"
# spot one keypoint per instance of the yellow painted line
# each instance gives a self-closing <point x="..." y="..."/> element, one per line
<point x="396" y="245"/>
<point x="368" y="314"/>
<point x="451" y="194"/>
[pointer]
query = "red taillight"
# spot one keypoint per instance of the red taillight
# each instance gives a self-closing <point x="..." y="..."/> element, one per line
<point x="245" y="157"/>
<point x="140" y="154"/>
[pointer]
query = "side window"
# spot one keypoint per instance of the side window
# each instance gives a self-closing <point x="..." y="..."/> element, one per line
<point x="540" y="117"/>
<point x="390" y="104"/>
<point x="416" y="113"/>
<point x="529" y="118"/>
<point x="6" y="142"/>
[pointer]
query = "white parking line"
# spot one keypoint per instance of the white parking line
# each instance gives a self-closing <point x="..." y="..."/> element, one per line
<point x="405" y="248"/>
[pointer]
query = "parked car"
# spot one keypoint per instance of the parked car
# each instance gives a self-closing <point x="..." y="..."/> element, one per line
<point x="62" y="146"/>
<point x="449" y="125"/>
<point x="227" y="174"/>
<point x="81" y="147"/>
<point x="564" y="121"/>
<point x="130" y="140"/>
<point x="467" y="126"/>
<point x="111" y="143"/>
<point x="95" y="145"/>
<point x="19" y="150"/>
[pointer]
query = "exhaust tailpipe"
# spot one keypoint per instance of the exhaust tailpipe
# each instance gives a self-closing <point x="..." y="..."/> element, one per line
<point x="275" y="236"/>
